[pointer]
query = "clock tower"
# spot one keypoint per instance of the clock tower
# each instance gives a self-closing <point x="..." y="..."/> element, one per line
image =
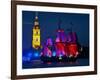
<point x="36" y="34"/>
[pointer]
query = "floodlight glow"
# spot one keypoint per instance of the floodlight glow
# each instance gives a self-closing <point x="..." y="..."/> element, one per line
<point x="54" y="53"/>
<point x="36" y="54"/>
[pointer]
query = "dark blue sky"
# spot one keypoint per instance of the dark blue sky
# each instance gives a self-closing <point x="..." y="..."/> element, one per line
<point x="49" y="24"/>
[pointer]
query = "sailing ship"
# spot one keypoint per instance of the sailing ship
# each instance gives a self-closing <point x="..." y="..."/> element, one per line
<point x="64" y="48"/>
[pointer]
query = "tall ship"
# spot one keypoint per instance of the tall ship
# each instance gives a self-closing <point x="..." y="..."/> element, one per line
<point x="64" y="48"/>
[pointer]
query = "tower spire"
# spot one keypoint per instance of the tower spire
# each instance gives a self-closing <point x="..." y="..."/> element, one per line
<point x="36" y="14"/>
<point x="36" y="23"/>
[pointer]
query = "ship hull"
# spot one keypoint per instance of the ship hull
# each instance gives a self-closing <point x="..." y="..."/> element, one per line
<point x="58" y="59"/>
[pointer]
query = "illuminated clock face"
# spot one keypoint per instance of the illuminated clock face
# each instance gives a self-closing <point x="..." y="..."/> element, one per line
<point x="36" y="39"/>
<point x="37" y="32"/>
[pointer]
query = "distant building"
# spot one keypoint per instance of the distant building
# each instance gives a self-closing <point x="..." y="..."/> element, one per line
<point x="36" y="34"/>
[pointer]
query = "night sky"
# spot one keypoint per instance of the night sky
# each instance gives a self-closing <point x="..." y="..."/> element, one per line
<point x="49" y="24"/>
